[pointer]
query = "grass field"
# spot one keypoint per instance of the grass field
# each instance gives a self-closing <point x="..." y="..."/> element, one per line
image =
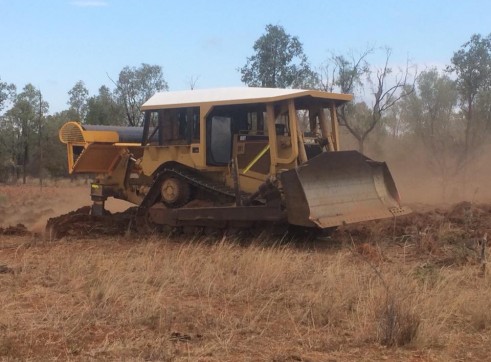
<point x="413" y="290"/>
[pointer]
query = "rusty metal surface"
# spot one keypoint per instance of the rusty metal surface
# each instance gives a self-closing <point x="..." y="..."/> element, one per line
<point x="337" y="188"/>
<point x="205" y="216"/>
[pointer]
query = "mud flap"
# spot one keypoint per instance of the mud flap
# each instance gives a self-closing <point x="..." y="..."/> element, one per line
<point x="336" y="188"/>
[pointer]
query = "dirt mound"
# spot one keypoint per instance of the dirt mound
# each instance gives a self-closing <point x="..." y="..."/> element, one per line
<point x="80" y="223"/>
<point x="17" y="230"/>
<point x="473" y="219"/>
<point x="456" y="235"/>
<point x="463" y="220"/>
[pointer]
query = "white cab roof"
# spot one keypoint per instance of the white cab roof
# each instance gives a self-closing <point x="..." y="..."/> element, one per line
<point x="239" y="95"/>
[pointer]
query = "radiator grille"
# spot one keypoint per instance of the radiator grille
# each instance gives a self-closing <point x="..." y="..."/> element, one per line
<point x="71" y="132"/>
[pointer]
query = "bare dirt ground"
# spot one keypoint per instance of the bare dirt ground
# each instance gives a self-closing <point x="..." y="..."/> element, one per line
<point x="411" y="289"/>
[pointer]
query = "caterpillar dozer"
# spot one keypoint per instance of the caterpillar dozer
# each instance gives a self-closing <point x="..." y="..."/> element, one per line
<point x="234" y="157"/>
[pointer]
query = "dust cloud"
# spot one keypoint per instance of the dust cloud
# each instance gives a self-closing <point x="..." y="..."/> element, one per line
<point x="32" y="205"/>
<point x="421" y="181"/>
<point x="420" y="184"/>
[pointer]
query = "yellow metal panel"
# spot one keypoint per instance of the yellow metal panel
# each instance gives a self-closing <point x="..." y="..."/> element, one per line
<point x="154" y="156"/>
<point x="255" y="159"/>
<point x="204" y="111"/>
<point x="196" y="157"/>
<point x="101" y="136"/>
<point x="136" y="144"/>
<point x="302" y="154"/>
<point x="249" y="182"/>
<point x="292" y="118"/>
<point x="69" y="149"/>
<point x="335" y="128"/>
<point x="273" y="145"/>
<point x="73" y="132"/>
<point x="97" y="158"/>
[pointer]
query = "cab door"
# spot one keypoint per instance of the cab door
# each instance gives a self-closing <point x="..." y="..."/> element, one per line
<point x="219" y="141"/>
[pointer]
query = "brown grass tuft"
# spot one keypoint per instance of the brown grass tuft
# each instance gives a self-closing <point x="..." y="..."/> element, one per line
<point x="158" y="299"/>
<point x="397" y="325"/>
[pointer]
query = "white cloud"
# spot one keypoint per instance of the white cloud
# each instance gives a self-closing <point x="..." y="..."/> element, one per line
<point x="89" y="3"/>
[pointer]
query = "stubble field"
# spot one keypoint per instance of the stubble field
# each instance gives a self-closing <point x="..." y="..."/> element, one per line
<point x="411" y="289"/>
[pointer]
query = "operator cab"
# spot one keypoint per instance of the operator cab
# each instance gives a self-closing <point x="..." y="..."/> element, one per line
<point x="264" y="129"/>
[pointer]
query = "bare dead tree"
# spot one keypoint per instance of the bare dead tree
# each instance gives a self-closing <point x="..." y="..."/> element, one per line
<point x="40" y="139"/>
<point x="326" y="76"/>
<point x="192" y="81"/>
<point x="386" y="93"/>
<point x="344" y="73"/>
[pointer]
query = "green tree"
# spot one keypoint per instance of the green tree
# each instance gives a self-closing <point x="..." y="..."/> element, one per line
<point x="437" y="98"/>
<point x="78" y="100"/>
<point x="104" y="110"/>
<point x="430" y="117"/>
<point x="26" y="118"/>
<point x="472" y="67"/>
<point x="56" y="164"/>
<point x="7" y="91"/>
<point x="135" y="86"/>
<point x="279" y="61"/>
<point x="7" y="163"/>
<point x="483" y="115"/>
<point x="8" y="158"/>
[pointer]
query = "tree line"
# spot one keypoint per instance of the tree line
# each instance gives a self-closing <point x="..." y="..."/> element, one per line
<point x="446" y="112"/>
<point x="28" y="134"/>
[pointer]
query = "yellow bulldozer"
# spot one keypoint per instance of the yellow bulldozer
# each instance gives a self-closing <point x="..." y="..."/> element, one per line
<point x="234" y="157"/>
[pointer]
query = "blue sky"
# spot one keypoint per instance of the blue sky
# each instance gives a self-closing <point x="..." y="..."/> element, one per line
<point x="54" y="43"/>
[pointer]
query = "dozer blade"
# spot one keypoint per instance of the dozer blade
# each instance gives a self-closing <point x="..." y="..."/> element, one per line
<point x="336" y="188"/>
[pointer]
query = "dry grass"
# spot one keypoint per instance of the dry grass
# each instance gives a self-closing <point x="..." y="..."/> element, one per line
<point x="198" y="300"/>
